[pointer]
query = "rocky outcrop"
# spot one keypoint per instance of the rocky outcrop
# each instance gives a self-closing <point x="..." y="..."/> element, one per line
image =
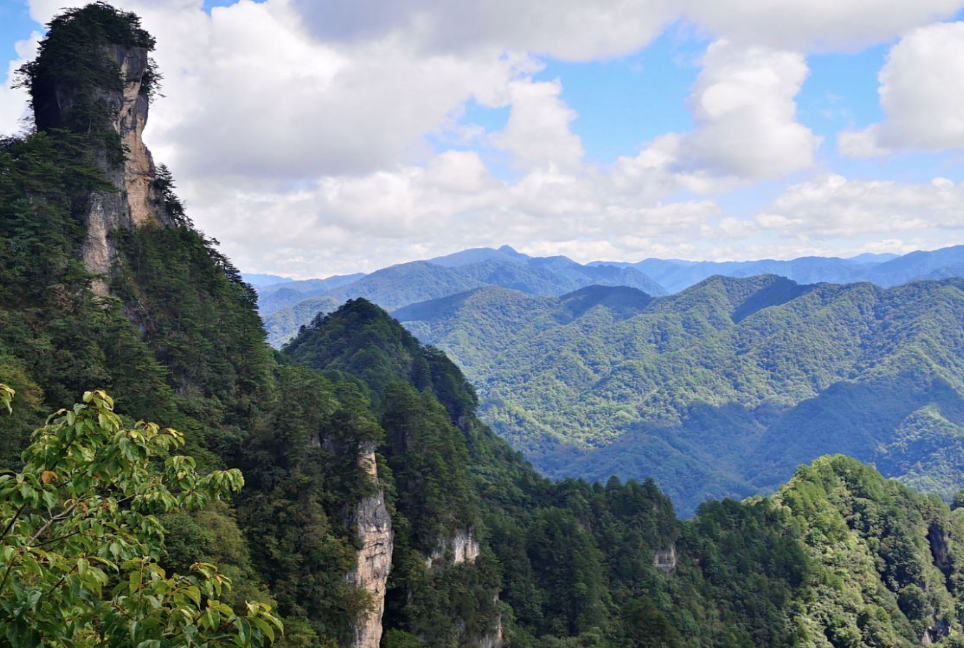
<point x="136" y="202"/>
<point x="941" y="552"/>
<point x="665" y="559"/>
<point x="938" y="631"/>
<point x="460" y="547"/>
<point x="495" y="638"/>
<point x="456" y="549"/>
<point x="374" y="527"/>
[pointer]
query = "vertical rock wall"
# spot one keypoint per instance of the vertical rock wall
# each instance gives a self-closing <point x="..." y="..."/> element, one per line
<point x="374" y="527"/>
<point x="136" y="202"/>
<point x="461" y="546"/>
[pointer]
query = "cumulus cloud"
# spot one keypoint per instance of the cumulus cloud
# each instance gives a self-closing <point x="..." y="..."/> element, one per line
<point x="352" y="223"/>
<point x="254" y="95"/>
<point x="579" y="30"/>
<point x="13" y="101"/>
<point x="305" y="133"/>
<point x="565" y="29"/>
<point x="538" y="133"/>
<point x="744" y="109"/>
<point x="833" y="206"/>
<point x="921" y="91"/>
<point x="745" y="113"/>
<point x="816" y="25"/>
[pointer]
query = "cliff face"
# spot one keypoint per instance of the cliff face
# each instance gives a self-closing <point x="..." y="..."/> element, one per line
<point x="374" y="527"/>
<point x="460" y="547"/>
<point x="136" y="202"/>
<point x="456" y="549"/>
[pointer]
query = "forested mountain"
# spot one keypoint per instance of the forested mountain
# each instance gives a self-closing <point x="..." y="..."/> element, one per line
<point x="939" y="264"/>
<point x="837" y="557"/>
<point x="281" y="323"/>
<point x="284" y="311"/>
<point x="275" y="296"/>
<point x="377" y="510"/>
<point x="411" y="283"/>
<point x="722" y="389"/>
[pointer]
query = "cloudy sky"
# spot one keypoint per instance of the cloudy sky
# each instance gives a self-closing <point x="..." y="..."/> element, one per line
<point x="317" y="137"/>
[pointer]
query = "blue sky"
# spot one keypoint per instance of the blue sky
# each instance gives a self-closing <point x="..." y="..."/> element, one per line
<point x="553" y="152"/>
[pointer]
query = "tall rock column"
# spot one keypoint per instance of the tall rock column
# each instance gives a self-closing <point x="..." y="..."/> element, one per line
<point x="136" y="202"/>
<point x="94" y="77"/>
<point x="374" y="527"/>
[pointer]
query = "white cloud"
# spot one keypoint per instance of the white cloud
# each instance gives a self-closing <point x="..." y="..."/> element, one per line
<point x="565" y="29"/>
<point x="537" y="133"/>
<point x="301" y="131"/>
<point x="256" y="96"/>
<point x="250" y="92"/>
<point x="744" y="109"/>
<point x="921" y="91"/>
<point x="13" y="101"/>
<point x="833" y="207"/>
<point x="816" y="25"/>
<point x="581" y="30"/>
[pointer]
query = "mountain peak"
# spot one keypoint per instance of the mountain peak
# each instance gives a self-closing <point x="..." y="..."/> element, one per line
<point x="510" y="251"/>
<point x="93" y="76"/>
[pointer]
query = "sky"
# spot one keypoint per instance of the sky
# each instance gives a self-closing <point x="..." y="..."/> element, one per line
<point x="320" y="137"/>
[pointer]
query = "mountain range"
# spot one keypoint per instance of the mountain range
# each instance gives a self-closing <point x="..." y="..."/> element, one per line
<point x="721" y="389"/>
<point x="408" y="283"/>
<point x="284" y="311"/>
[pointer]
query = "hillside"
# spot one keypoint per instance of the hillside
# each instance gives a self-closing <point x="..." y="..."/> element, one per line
<point x="722" y="389"/>
<point x="283" y="324"/>
<point x="838" y="556"/>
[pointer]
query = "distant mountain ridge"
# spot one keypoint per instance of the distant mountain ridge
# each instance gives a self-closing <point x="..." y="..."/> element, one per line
<point x="722" y="389"/>
<point x="882" y="269"/>
<point x="284" y="311"/>
<point x="400" y="285"/>
<point x="263" y="280"/>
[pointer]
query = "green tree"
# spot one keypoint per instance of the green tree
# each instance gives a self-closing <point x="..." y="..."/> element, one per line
<point x="81" y="540"/>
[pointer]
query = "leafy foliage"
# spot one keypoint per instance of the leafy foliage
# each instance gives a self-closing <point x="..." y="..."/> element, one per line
<point x="81" y="540"/>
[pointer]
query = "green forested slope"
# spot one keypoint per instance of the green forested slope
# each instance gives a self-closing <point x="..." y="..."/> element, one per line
<point x="837" y="557"/>
<point x="721" y="389"/>
<point x="283" y="324"/>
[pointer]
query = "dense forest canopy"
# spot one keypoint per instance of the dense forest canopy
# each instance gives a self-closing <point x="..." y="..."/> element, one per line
<point x="722" y="389"/>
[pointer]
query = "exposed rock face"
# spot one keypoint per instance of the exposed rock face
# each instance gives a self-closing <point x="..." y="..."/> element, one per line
<point x="374" y="527"/>
<point x="496" y="637"/>
<point x="136" y="203"/>
<point x="940" y="551"/>
<point x="665" y="559"/>
<point x="461" y="546"/>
